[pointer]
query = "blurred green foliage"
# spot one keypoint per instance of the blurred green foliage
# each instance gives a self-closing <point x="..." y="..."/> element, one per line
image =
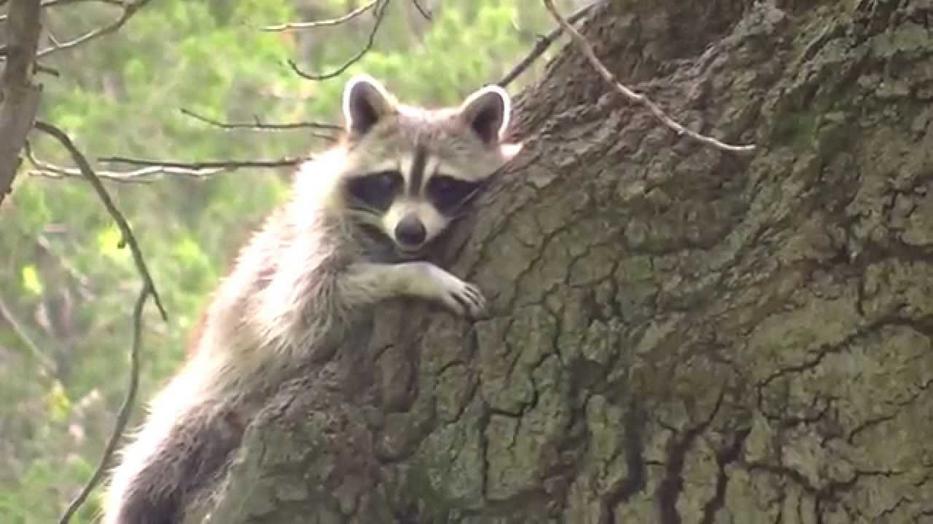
<point x="67" y="288"/>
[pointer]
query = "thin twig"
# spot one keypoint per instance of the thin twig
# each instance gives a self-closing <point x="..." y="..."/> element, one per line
<point x="53" y="38"/>
<point x="322" y="23"/>
<point x="584" y="46"/>
<point x="129" y="9"/>
<point x="380" y="12"/>
<point x="19" y="329"/>
<point x="126" y="408"/>
<point x="80" y="278"/>
<point x="423" y="10"/>
<point x="260" y="125"/>
<point x="127" y="232"/>
<point x="543" y="43"/>
<point x="136" y="176"/>
<point x="154" y="168"/>
<point x="148" y="290"/>
<point x="225" y="164"/>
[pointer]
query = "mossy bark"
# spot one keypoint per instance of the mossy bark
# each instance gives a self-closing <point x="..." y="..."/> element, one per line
<point x="676" y="334"/>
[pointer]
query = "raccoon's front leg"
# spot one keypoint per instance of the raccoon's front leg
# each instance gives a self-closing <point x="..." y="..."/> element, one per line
<point x="371" y="282"/>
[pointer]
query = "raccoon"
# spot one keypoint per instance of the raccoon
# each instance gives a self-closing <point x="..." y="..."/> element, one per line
<point x="353" y="234"/>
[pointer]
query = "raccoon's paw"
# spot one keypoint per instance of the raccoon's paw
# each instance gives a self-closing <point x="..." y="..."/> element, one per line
<point x="463" y="298"/>
<point x="423" y="279"/>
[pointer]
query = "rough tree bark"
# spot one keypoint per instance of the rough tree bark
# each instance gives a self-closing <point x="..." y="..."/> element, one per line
<point x="676" y="334"/>
<point x="19" y="95"/>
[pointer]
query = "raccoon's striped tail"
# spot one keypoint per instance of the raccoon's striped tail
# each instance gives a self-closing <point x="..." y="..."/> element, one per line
<point x="165" y="465"/>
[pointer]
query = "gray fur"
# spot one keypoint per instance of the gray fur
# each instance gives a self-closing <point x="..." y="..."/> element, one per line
<point x="296" y="289"/>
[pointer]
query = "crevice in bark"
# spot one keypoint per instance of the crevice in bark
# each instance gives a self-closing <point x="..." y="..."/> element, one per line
<point x="671" y="485"/>
<point x="724" y="457"/>
<point x="636" y="479"/>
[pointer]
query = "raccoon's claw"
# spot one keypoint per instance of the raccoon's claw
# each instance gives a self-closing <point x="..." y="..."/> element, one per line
<point x="423" y="279"/>
<point x="465" y="299"/>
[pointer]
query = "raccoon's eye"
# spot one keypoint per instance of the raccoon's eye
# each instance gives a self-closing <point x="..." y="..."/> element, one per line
<point x="375" y="190"/>
<point x="447" y="192"/>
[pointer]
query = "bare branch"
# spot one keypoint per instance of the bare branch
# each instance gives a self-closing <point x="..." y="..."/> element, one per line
<point x="19" y="329"/>
<point x="137" y="176"/>
<point x="148" y="290"/>
<point x="126" y="408"/>
<point x="584" y="46"/>
<point x="423" y="10"/>
<point x="380" y="13"/>
<point x="129" y="9"/>
<point x="19" y="97"/>
<point x="323" y="23"/>
<point x="118" y="217"/>
<point x="543" y="43"/>
<point x="260" y="125"/>
<point x="152" y="168"/>
<point x="222" y="164"/>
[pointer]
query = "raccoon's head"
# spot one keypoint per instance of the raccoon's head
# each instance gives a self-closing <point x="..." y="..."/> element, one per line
<point x="410" y="171"/>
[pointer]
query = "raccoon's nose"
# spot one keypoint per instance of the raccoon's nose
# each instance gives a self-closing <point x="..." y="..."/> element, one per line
<point x="410" y="231"/>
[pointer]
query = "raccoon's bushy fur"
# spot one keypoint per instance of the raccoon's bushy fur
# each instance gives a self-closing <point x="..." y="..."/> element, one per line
<point x="297" y="286"/>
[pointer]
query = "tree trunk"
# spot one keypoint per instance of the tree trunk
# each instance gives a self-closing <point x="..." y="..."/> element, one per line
<point x="676" y="334"/>
<point x="19" y="95"/>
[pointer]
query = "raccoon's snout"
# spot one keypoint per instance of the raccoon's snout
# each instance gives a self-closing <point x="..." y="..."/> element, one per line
<point x="410" y="232"/>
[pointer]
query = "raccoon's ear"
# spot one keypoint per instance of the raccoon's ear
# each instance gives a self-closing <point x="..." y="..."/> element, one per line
<point x="365" y="102"/>
<point x="487" y="113"/>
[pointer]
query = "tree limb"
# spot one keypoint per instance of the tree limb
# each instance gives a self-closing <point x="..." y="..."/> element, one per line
<point x="323" y="23"/>
<point x="380" y="13"/>
<point x="584" y="46"/>
<point x="19" y="97"/>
